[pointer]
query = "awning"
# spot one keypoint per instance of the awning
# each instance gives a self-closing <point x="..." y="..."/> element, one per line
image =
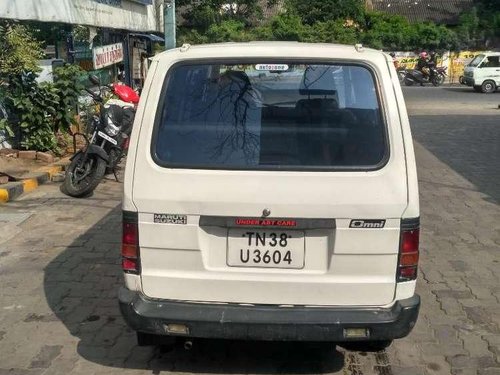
<point x="134" y="15"/>
<point x="151" y="37"/>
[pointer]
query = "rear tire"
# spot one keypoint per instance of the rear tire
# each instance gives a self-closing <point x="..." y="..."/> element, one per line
<point x="488" y="87"/>
<point x="438" y="80"/>
<point x="93" y="169"/>
<point x="408" y="82"/>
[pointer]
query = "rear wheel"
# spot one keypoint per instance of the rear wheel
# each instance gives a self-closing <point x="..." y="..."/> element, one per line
<point x="488" y="87"/>
<point x="438" y="80"/>
<point x="83" y="176"/>
<point x="408" y="82"/>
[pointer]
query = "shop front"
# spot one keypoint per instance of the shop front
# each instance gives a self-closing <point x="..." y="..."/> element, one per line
<point x="120" y="33"/>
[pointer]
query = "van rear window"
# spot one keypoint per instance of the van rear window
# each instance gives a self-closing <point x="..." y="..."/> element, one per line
<point x="270" y="116"/>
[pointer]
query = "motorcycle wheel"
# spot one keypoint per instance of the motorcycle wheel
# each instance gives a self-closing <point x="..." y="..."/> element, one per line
<point x="437" y="80"/>
<point x="408" y="82"/>
<point x="82" y="177"/>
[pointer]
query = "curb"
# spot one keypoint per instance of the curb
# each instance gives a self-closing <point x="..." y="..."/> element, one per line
<point x="12" y="190"/>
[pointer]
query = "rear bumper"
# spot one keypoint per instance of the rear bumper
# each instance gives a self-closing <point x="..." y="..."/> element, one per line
<point x="265" y="322"/>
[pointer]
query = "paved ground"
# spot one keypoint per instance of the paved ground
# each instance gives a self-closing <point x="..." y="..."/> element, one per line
<point x="59" y="272"/>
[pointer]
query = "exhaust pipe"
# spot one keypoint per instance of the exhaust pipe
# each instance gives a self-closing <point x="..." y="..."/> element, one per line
<point x="188" y="345"/>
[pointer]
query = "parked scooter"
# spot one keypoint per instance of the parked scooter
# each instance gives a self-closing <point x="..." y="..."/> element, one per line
<point x="436" y="76"/>
<point x="106" y="140"/>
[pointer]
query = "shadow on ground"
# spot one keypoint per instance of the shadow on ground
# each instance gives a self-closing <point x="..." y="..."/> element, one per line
<point x="466" y="89"/>
<point x="81" y="286"/>
<point x="468" y="144"/>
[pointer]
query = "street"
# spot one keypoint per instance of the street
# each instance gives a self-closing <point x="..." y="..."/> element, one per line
<point x="60" y="272"/>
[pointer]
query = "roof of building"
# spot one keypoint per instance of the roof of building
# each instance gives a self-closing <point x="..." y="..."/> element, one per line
<point x="439" y="11"/>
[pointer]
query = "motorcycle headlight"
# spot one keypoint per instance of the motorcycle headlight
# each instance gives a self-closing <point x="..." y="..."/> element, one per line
<point x="111" y="129"/>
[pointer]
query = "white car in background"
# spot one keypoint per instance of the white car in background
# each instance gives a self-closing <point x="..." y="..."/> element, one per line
<point x="483" y="72"/>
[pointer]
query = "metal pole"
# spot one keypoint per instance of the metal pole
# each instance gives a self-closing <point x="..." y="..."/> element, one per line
<point x="169" y="22"/>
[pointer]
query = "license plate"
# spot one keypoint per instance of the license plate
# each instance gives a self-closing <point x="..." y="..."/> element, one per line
<point x="107" y="137"/>
<point x="265" y="248"/>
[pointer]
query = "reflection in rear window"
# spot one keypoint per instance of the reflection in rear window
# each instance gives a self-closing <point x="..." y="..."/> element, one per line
<point x="269" y="116"/>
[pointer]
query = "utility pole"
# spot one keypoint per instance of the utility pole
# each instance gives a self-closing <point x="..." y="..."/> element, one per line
<point x="169" y="23"/>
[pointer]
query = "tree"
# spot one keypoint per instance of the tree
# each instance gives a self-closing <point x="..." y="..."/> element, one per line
<point x="313" y="11"/>
<point x="201" y="14"/>
<point x="480" y="25"/>
<point x="287" y="27"/>
<point x="19" y="50"/>
<point x="334" y="31"/>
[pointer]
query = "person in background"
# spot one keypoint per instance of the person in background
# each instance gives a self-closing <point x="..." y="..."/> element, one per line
<point x="394" y="60"/>
<point x="121" y="73"/>
<point x="423" y="64"/>
<point x="144" y="68"/>
<point x="433" y="59"/>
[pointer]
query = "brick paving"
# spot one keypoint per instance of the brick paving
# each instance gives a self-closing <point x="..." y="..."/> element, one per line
<point x="59" y="273"/>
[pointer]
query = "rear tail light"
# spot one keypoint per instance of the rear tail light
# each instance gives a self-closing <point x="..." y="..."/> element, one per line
<point x="408" y="250"/>
<point x="130" y="243"/>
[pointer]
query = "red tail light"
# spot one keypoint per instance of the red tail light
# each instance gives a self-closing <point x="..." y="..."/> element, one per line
<point x="130" y="243"/>
<point x="408" y="251"/>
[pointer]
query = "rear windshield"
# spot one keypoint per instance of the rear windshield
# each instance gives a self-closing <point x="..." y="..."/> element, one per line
<point x="269" y="116"/>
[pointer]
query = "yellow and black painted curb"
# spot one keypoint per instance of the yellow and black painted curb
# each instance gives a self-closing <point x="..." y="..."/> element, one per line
<point x="13" y="190"/>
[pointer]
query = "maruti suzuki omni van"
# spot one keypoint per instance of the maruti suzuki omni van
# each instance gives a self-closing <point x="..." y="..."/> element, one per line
<point x="271" y="194"/>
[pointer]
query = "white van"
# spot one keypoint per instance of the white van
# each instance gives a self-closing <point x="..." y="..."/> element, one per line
<point x="271" y="194"/>
<point x="483" y="72"/>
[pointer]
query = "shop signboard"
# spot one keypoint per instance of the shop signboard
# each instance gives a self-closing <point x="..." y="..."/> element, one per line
<point x="107" y="55"/>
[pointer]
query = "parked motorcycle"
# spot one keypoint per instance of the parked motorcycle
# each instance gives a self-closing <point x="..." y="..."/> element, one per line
<point x="106" y="139"/>
<point x="436" y="76"/>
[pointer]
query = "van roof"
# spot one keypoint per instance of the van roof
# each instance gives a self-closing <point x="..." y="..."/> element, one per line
<point x="272" y="50"/>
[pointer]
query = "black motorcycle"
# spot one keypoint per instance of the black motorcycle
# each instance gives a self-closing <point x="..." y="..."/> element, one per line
<point x="106" y="142"/>
<point x="415" y="76"/>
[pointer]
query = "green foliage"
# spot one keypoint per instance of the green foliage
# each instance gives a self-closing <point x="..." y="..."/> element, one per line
<point x="387" y="31"/>
<point x="19" y="50"/>
<point x="313" y="11"/>
<point x="391" y="32"/>
<point x="229" y="30"/>
<point x="432" y="37"/>
<point x="333" y="31"/>
<point x="191" y="36"/>
<point x="285" y="27"/>
<point x="37" y="111"/>
<point x="202" y="14"/>
<point x="479" y="25"/>
<point x="67" y="86"/>
<point x="35" y="107"/>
